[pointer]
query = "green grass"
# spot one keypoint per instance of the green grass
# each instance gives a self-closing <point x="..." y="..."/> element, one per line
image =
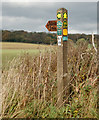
<point x="9" y="54"/>
<point x="13" y="50"/>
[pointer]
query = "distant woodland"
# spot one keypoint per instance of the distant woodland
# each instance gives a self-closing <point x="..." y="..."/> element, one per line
<point x="39" y="37"/>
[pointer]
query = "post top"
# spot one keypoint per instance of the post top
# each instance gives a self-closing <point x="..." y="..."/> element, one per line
<point x="62" y="9"/>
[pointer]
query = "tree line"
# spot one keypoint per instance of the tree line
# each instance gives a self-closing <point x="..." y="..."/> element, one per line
<point x="39" y="37"/>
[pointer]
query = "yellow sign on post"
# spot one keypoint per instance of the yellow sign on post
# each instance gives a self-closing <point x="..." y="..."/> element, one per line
<point x="64" y="31"/>
<point x="59" y="15"/>
<point x="65" y="16"/>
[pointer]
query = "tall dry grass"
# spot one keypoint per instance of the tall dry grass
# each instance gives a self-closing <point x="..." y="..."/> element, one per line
<point x="30" y="85"/>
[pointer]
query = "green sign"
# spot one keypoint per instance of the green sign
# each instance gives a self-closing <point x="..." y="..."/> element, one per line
<point x="59" y="32"/>
<point x="59" y="24"/>
<point x="65" y="38"/>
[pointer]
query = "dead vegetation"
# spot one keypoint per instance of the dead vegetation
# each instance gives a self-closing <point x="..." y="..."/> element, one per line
<point x="30" y="85"/>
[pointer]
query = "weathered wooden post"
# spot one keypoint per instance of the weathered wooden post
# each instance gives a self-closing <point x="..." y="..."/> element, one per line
<point x="61" y="26"/>
<point x="62" y="40"/>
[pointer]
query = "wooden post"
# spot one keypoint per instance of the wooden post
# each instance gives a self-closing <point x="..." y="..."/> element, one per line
<point x="62" y="40"/>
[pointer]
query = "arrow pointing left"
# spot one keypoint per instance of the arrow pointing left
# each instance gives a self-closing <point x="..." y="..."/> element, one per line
<point x="51" y="25"/>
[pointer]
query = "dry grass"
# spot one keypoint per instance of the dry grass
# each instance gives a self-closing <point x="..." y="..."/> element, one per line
<point x="11" y="45"/>
<point x="30" y="85"/>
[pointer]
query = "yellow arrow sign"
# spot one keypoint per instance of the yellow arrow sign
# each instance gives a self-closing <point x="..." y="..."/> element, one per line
<point x="58" y="15"/>
<point x="65" y="15"/>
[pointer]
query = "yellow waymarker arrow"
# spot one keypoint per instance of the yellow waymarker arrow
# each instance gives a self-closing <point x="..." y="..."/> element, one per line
<point x="65" y="16"/>
<point x="59" y="15"/>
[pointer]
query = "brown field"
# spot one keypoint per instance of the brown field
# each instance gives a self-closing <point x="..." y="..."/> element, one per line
<point x="11" y="45"/>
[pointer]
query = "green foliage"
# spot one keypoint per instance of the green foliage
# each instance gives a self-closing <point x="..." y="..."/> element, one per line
<point x="27" y="37"/>
<point x="40" y="38"/>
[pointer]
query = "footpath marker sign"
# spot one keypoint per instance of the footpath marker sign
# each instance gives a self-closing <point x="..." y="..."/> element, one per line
<point x="52" y="25"/>
<point x="61" y="26"/>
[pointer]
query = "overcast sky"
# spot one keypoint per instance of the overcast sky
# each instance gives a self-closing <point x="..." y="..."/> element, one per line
<point x="33" y="16"/>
